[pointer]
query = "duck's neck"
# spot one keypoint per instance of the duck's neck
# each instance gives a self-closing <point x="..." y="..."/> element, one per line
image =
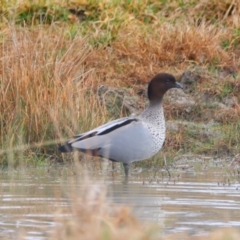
<point x="154" y="113"/>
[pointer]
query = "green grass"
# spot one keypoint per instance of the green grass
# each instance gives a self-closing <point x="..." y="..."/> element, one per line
<point x="56" y="54"/>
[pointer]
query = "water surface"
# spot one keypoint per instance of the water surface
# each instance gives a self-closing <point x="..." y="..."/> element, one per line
<point x="190" y="202"/>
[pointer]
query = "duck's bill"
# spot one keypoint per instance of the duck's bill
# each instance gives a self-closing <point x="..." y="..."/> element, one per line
<point x="178" y="85"/>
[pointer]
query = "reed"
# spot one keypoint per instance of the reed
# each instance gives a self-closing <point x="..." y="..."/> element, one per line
<point x="44" y="86"/>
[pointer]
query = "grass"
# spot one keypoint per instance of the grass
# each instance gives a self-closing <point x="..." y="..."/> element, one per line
<point x="109" y="220"/>
<point x="40" y="76"/>
<point x="55" y="54"/>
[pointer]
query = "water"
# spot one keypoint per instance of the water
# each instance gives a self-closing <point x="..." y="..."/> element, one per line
<point x="190" y="202"/>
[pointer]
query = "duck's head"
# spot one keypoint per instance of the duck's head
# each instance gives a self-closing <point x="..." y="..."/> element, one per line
<point x="159" y="85"/>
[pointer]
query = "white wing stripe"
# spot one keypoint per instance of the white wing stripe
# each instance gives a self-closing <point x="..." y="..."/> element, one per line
<point x="100" y="129"/>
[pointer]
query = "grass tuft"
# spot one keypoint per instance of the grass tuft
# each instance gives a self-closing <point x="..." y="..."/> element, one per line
<point x="55" y="54"/>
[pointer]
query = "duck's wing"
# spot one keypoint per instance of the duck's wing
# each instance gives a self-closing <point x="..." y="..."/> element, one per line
<point x="101" y="130"/>
<point x="126" y="140"/>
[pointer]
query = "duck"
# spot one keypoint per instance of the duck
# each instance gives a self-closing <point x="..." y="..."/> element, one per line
<point x="129" y="139"/>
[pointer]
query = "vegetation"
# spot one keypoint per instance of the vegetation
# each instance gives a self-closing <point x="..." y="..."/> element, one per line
<point x="54" y="55"/>
<point x="109" y="220"/>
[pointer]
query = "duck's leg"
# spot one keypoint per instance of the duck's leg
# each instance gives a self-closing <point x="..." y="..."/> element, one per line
<point x="126" y="170"/>
<point x="113" y="166"/>
<point x="113" y="169"/>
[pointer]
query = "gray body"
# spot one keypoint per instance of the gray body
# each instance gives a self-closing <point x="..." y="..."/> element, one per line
<point x="138" y="140"/>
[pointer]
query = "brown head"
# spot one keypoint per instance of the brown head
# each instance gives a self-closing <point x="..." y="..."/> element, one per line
<point x="159" y="85"/>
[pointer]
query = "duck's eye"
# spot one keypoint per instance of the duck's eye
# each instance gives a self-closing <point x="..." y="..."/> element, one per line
<point x="167" y="80"/>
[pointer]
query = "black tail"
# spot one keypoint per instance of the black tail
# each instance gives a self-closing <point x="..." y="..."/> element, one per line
<point x="65" y="148"/>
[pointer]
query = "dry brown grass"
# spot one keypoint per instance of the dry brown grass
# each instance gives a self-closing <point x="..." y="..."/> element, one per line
<point x="47" y="75"/>
<point x="221" y="11"/>
<point x="147" y="11"/>
<point x="50" y="72"/>
<point x="44" y="83"/>
<point x="139" y="52"/>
